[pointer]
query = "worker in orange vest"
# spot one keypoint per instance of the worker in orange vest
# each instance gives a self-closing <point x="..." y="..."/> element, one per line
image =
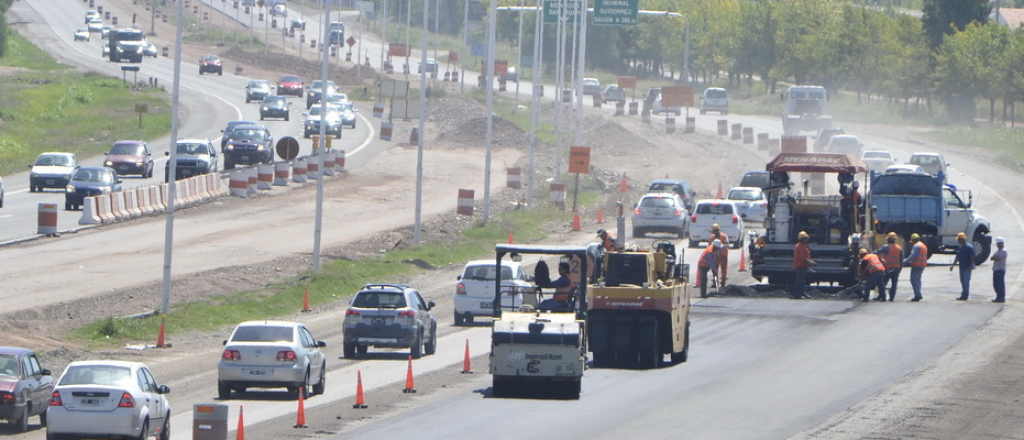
<point x="891" y="255"/>
<point x="870" y="272"/>
<point x="708" y="262"/>
<point x="802" y="262"/>
<point x="723" y="260"/>
<point x="917" y="260"/>
<point x="608" y="241"/>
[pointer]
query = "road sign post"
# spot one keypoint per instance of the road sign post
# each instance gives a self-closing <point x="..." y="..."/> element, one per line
<point x="579" y="163"/>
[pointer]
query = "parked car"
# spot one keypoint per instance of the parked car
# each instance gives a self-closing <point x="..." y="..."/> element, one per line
<point x="877" y="160"/>
<point x="89" y="182"/>
<point x="256" y="90"/>
<point x="192" y="157"/>
<point x="274" y="106"/>
<point x="91" y="15"/>
<point x="389" y="315"/>
<point x="51" y="170"/>
<point x="347" y="114"/>
<point x="613" y="93"/>
<point x="105" y="31"/>
<point x="248" y="145"/>
<point x="318" y="114"/>
<point x="25" y="387"/>
<point x="474" y="292"/>
<point x="824" y="135"/>
<point x="933" y="163"/>
<point x="711" y="211"/>
<point x="714" y="99"/>
<point x="649" y="97"/>
<point x="660" y="212"/>
<point x="677" y="186"/>
<point x="272" y="354"/>
<point x="289" y="85"/>
<point x="130" y="158"/>
<point x="316" y="88"/>
<point x="95" y="25"/>
<point x="431" y="66"/>
<point x="82" y="34"/>
<point x="591" y="86"/>
<point x="844" y="144"/>
<point x="279" y="10"/>
<point x="751" y="202"/>
<point x="210" y="64"/>
<point x="108" y="399"/>
<point x="757" y="178"/>
<point x="337" y="99"/>
<point x="657" y="108"/>
<point x="511" y="74"/>
<point x="227" y="131"/>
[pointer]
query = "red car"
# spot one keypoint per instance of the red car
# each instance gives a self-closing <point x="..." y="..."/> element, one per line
<point x="210" y="64"/>
<point x="130" y="157"/>
<point x="290" y="85"/>
<point x="25" y="387"/>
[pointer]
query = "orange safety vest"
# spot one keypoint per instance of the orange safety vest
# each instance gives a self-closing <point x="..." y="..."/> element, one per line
<point x="723" y="238"/>
<point x="893" y="258"/>
<point x="565" y="296"/>
<point x="703" y="262"/>
<point x="609" y="242"/>
<point x="874" y="263"/>
<point x="921" y="260"/>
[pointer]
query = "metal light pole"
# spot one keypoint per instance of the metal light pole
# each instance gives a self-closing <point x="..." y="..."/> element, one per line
<point x="519" y="62"/>
<point x="423" y="133"/>
<point x="538" y="46"/>
<point x="322" y="151"/>
<point x="492" y="24"/>
<point x="152" y="18"/>
<point x="165" y="307"/>
<point x="408" y="49"/>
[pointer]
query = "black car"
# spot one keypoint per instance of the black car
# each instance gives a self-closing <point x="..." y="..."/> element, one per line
<point x="210" y="64"/>
<point x="248" y="145"/>
<point x="88" y="182"/>
<point x="192" y="157"/>
<point x="231" y="127"/>
<point x="274" y="107"/>
<point x="25" y="387"/>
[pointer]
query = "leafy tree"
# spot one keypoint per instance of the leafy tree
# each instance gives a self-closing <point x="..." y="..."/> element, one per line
<point x="755" y="49"/>
<point x="968" y="66"/>
<point x="4" y="28"/>
<point x="944" y="17"/>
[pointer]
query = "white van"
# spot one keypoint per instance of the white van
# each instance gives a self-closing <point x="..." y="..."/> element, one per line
<point x="714" y="99"/>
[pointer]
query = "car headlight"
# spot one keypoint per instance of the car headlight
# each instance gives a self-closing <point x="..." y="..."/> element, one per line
<point x="109" y="163"/>
<point x="265" y="108"/>
<point x="70" y="188"/>
<point x="260" y="148"/>
<point x="104" y="190"/>
<point x="231" y="147"/>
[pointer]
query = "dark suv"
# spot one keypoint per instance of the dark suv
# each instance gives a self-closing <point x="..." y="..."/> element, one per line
<point x="192" y="157"/>
<point x="316" y="89"/>
<point x="248" y="145"/>
<point x="389" y="315"/>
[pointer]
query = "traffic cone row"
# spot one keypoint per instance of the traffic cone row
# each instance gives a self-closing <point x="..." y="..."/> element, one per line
<point x="410" y="386"/>
<point x="300" y="419"/>
<point x="466" y="369"/>
<point x="305" y="298"/>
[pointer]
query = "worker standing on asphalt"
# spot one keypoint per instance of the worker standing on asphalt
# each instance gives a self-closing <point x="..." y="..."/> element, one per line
<point x="965" y="260"/>
<point x="801" y="263"/>
<point x="723" y="260"/>
<point x="999" y="271"/>
<point x="917" y="260"/>
<point x="708" y="262"/>
<point x="870" y="272"/>
<point x="891" y="255"/>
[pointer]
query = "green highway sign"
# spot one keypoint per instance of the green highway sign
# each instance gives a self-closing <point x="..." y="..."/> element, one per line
<point x="570" y="9"/>
<point x="616" y="12"/>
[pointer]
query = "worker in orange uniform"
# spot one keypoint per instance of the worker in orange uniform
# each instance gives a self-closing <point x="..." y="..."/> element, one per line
<point x="723" y="260"/>
<point x="801" y="263"/>
<point x="708" y="262"/>
<point x="891" y="255"/>
<point x="917" y="260"/>
<point x="564" y="287"/>
<point x="608" y="241"/>
<point x="870" y="272"/>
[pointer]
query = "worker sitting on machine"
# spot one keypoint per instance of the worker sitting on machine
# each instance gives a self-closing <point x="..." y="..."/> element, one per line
<point x="564" y="287"/>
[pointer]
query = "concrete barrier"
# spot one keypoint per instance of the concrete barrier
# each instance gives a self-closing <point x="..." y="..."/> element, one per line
<point x="47" y="219"/>
<point x="145" y="204"/>
<point x="378" y="109"/>
<point x="89" y="212"/>
<point x="414" y="136"/>
<point x="558" y="195"/>
<point x="691" y="125"/>
<point x="299" y="170"/>
<point x="634" y="108"/>
<point x="264" y="176"/>
<point x="620" y="108"/>
<point x="104" y="209"/>
<point x="465" y="204"/>
<point x="281" y="173"/>
<point x="645" y="116"/>
<point x="339" y="162"/>
<point x="313" y="167"/>
<point x="239" y="183"/>
<point x="762" y="141"/>
<point x="252" y="179"/>
<point x="117" y="206"/>
<point x="385" y="130"/>
<point x="748" y="135"/>
<point x="737" y="131"/>
<point x="670" y="125"/>
<point x="723" y="127"/>
<point x="154" y="196"/>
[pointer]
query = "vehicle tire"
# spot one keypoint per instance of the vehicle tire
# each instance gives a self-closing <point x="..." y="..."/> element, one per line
<point x="247" y="100"/>
<point x="982" y="247"/>
<point x="416" y="350"/>
<point x="220" y="72"/>
<point x="648" y="348"/>
<point x="229" y="165"/>
<point x="637" y="233"/>
<point x="431" y="347"/>
<point x="305" y="134"/>
<point x="67" y="206"/>
<point x="320" y="386"/>
<point x="21" y="423"/>
<point x="572" y="388"/>
<point x="349" y="351"/>
<point x="261" y="116"/>
<point x="362" y="349"/>
<point x="200" y="72"/>
<point x="303" y="388"/>
<point x="459" y="319"/>
<point x="693" y="243"/>
<point x="165" y="432"/>
<point x="338" y="136"/>
<point x="737" y="243"/>
<point x="31" y="188"/>
<point x="144" y="433"/>
<point x="623" y="348"/>
<point x="286" y="117"/>
<point x="682" y="233"/>
<point x="42" y="419"/>
<point x="223" y="390"/>
<point x="300" y="93"/>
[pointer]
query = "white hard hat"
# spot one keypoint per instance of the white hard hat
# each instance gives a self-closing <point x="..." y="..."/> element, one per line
<point x="717" y="243"/>
<point x="856" y="184"/>
<point x="999" y="239"/>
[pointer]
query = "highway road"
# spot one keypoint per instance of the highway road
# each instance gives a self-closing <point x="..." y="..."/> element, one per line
<point x="758" y="368"/>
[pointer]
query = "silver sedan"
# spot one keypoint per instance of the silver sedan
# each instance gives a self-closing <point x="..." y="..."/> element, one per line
<point x="272" y="354"/>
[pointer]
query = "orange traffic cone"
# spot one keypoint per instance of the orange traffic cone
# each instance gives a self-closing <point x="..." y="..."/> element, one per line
<point x="160" y="334"/>
<point x="465" y="362"/>
<point x="305" y="298"/>
<point x="410" y="386"/>
<point x="240" y="432"/>
<point x="576" y="221"/>
<point x="360" y="403"/>
<point x="300" y="419"/>
<point x="600" y="214"/>
<point x="743" y="260"/>
<point x="719" y="195"/>
<point x="510" y="239"/>
<point x="622" y="186"/>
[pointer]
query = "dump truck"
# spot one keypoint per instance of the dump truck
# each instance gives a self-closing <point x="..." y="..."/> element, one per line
<point x="918" y="202"/>
<point x="640" y="308"/>
<point x="834" y="240"/>
<point x="538" y="349"/>
<point x="805" y="110"/>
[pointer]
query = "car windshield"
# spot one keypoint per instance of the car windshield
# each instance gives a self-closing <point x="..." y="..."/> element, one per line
<point x="332" y="112"/>
<point x="277" y="100"/>
<point x="664" y="187"/>
<point x="262" y="333"/>
<point x="759" y="180"/>
<point x="486" y="273"/>
<point x="319" y="84"/>
<point x="290" y="79"/>
<point x="61" y="161"/>
<point x="744" y="194"/>
<point x="876" y="155"/>
<point x="134" y="149"/>
<point x="210" y="58"/>
<point x="657" y="202"/>
<point x="130" y="36"/>
<point x="716" y="93"/>
<point x="97" y="375"/>
<point x="714" y="208"/>
<point x="93" y="176"/>
<point x="192" y="148"/>
<point x="8" y="365"/>
<point x="247" y="135"/>
<point x="232" y="125"/>
<point x="379" y="300"/>
<point x="259" y="85"/>
<point x="344" y="106"/>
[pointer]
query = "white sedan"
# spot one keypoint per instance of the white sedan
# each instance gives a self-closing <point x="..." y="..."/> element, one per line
<point x="95" y="26"/>
<point x="81" y="34"/>
<point x="877" y="160"/>
<point x="272" y="354"/>
<point x="108" y="399"/>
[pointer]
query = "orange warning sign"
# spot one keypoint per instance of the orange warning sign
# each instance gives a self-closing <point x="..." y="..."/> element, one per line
<point x="579" y="160"/>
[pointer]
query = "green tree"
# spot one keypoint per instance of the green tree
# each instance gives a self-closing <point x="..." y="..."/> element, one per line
<point x="4" y="28"/>
<point x="968" y="67"/>
<point x="755" y="52"/>
<point x="944" y="17"/>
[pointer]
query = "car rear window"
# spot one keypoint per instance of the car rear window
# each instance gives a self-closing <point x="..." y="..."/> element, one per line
<point x="97" y="375"/>
<point x="379" y="300"/>
<point x="657" y="202"/>
<point x="714" y="208"/>
<point x="262" y="333"/>
<point x="744" y="194"/>
<point x="486" y="273"/>
<point x="757" y="179"/>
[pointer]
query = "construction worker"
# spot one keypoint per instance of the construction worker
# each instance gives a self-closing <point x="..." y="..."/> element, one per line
<point x="563" y="286"/>
<point x="999" y="271"/>
<point x="891" y="255"/>
<point x="870" y="272"/>
<point x="801" y="262"/>
<point x="608" y="241"/>
<point x="723" y="261"/>
<point x="708" y="262"/>
<point x="850" y="204"/>
<point x="917" y="260"/>
<point x="965" y="260"/>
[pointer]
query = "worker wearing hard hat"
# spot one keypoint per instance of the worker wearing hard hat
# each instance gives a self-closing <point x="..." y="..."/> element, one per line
<point x="917" y="260"/>
<point x="891" y="255"/>
<point x="999" y="271"/>
<point x="801" y="263"/>
<point x="870" y="272"/>
<point x="965" y="261"/>
<point x="723" y="258"/>
<point x="708" y="262"/>
<point x="608" y="241"/>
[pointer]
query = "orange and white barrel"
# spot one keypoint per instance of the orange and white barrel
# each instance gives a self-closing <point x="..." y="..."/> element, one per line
<point x="691" y="125"/>
<point x="670" y="125"/>
<point x="299" y="170"/>
<point x="329" y="159"/>
<point x="514" y="179"/>
<point x="48" y="219"/>
<point x="465" y="206"/>
<point x="762" y="141"/>
<point x="339" y="162"/>
<point x="378" y="109"/>
<point x="281" y="173"/>
<point x="385" y="130"/>
<point x="264" y="176"/>
<point x="737" y="131"/>
<point x="239" y="183"/>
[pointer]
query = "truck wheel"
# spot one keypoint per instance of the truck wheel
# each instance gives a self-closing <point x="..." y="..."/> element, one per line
<point x="624" y="354"/>
<point x="982" y="247"/>
<point x="648" y="348"/>
<point x="459" y="319"/>
<point x="572" y="389"/>
<point x="349" y="351"/>
<point x="693" y="243"/>
<point x="499" y="386"/>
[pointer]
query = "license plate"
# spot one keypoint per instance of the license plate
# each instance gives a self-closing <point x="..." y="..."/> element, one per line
<point x="124" y="167"/>
<point x="378" y="321"/>
<point x="91" y="402"/>
<point x="257" y="373"/>
<point x="245" y="158"/>
<point x="486" y="305"/>
<point x="50" y="181"/>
